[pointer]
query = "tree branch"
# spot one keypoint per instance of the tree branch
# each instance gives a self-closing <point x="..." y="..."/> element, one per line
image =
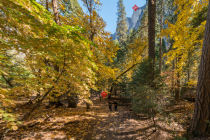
<point x="27" y="115"/>
<point x="7" y="81"/>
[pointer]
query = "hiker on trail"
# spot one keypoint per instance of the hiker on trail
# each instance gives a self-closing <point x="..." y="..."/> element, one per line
<point x="110" y="102"/>
<point x="104" y="94"/>
<point x="114" y="103"/>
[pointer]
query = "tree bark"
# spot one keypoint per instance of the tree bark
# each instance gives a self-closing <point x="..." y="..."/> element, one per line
<point x="47" y="5"/>
<point x="161" y="41"/>
<point x="55" y="11"/>
<point x="200" y="125"/>
<point x="172" y="78"/>
<point x="177" y="89"/>
<point x="160" y="55"/>
<point x="90" y="10"/>
<point x="8" y="81"/>
<point x="151" y="34"/>
<point x="91" y="21"/>
<point x="188" y="66"/>
<point x="27" y="115"/>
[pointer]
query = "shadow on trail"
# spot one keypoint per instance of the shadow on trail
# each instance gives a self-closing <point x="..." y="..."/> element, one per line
<point x="96" y="124"/>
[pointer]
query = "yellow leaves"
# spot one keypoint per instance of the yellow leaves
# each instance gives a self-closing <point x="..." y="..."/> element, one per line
<point x="2" y="96"/>
<point x="14" y="128"/>
<point x="3" y="91"/>
<point x="198" y="5"/>
<point x="4" y="99"/>
<point x="62" y="7"/>
<point x="12" y="124"/>
<point x="192" y="83"/>
<point x="176" y="38"/>
<point x="186" y="38"/>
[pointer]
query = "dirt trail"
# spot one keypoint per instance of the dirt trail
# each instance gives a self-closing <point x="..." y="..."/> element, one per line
<point x="124" y="125"/>
<point x="96" y="124"/>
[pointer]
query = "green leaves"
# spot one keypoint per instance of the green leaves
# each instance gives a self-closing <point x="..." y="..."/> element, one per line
<point x="199" y="17"/>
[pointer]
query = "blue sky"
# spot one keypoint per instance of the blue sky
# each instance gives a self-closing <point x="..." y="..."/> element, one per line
<point x="108" y="11"/>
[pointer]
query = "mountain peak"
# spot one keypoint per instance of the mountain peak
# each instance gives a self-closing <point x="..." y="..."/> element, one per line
<point x="134" y="21"/>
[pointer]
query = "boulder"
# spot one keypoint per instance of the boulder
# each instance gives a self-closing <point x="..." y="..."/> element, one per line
<point x="66" y="100"/>
<point x="188" y="93"/>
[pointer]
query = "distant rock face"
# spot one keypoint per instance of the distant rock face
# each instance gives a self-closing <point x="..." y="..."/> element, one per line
<point x="134" y="21"/>
<point x="129" y="22"/>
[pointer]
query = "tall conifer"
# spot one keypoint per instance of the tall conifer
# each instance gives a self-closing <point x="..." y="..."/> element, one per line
<point x="122" y="26"/>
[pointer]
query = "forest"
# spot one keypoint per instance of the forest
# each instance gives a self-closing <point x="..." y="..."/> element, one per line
<point x="63" y="76"/>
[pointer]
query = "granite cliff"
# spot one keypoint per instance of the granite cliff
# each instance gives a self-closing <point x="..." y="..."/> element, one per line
<point x="134" y="21"/>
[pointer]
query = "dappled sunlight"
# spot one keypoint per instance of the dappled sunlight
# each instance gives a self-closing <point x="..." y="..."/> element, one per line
<point x="98" y="123"/>
<point x="45" y="135"/>
<point x="104" y="69"/>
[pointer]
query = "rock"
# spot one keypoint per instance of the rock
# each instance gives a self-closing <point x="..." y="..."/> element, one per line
<point x="188" y="93"/>
<point x="69" y="101"/>
<point x="66" y="100"/>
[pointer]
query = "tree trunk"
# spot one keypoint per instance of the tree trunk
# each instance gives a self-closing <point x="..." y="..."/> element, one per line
<point x="7" y="80"/>
<point x="201" y="120"/>
<point x="38" y="103"/>
<point x="177" y="88"/>
<point x="47" y="5"/>
<point x="92" y="34"/>
<point x="151" y="34"/>
<point x="55" y="11"/>
<point x="161" y="41"/>
<point x="172" y="79"/>
<point x="160" y="55"/>
<point x="188" y="66"/>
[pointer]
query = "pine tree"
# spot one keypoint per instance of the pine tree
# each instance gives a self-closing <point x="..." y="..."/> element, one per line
<point x="122" y="26"/>
<point x="151" y="34"/>
<point x="200" y="124"/>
